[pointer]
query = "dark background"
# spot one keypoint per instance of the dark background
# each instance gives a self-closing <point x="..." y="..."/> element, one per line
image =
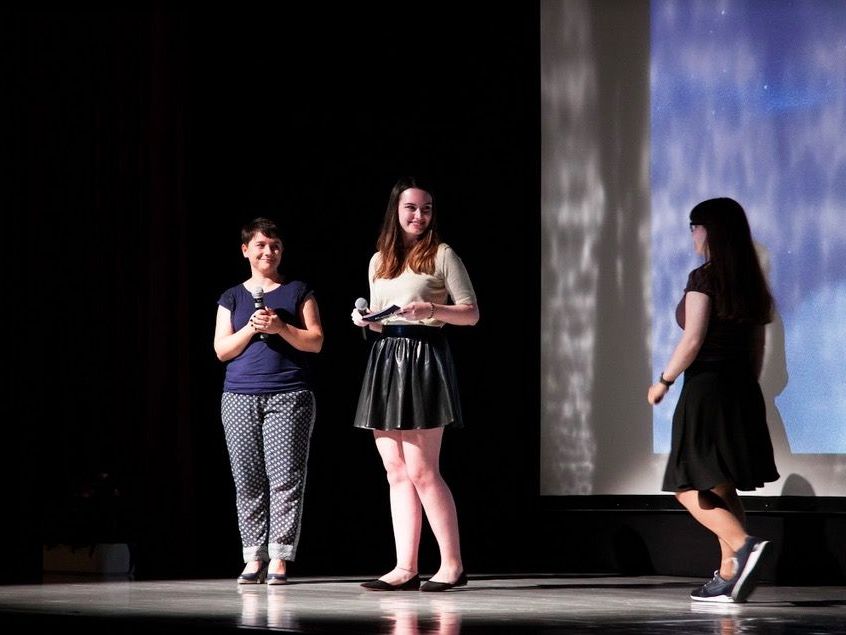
<point x="139" y="140"/>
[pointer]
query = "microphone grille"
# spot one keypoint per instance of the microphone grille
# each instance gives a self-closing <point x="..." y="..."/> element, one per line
<point x="258" y="292"/>
<point x="361" y="304"/>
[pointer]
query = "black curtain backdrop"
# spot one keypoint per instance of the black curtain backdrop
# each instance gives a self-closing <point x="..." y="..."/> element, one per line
<point x="138" y="142"/>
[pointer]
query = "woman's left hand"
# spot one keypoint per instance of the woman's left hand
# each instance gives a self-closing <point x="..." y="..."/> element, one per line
<point x="265" y="321"/>
<point x="416" y="310"/>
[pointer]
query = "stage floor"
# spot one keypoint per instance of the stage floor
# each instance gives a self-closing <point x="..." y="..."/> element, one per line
<point x="489" y="604"/>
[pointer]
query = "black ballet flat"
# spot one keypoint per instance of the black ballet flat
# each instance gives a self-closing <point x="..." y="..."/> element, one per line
<point x="254" y="578"/>
<point x="412" y="584"/>
<point x="431" y="586"/>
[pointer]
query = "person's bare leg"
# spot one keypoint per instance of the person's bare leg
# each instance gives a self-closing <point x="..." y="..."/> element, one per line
<point x="715" y="513"/>
<point x="406" y="511"/>
<point x="421" y="449"/>
<point x="728" y="494"/>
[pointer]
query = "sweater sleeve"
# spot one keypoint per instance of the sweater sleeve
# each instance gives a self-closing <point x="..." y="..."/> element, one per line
<point x="456" y="278"/>
<point x="376" y="302"/>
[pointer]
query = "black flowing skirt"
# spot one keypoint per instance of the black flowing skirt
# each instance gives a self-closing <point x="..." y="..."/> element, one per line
<point x="720" y="432"/>
<point x="409" y="382"/>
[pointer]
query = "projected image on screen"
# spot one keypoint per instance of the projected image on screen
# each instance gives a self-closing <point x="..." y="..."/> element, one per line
<point x="749" y="101"/>
<point x="648" y="108"/>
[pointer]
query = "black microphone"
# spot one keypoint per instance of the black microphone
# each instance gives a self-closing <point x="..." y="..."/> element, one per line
<point x="258" y="303"/>
<point x="361" y="306"/>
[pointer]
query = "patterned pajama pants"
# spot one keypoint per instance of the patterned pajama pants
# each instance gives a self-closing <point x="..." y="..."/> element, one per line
<point x="268" y="438"/>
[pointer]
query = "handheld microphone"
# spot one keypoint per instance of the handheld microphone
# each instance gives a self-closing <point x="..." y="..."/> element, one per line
<point x="258" y="303"/>
<point x="361" y="307"/>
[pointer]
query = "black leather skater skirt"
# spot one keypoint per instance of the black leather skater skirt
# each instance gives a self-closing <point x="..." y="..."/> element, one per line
<point x="409" y="382"/>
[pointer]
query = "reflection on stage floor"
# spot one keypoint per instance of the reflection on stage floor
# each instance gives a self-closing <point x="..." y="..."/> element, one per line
<point x="489" y="604"/>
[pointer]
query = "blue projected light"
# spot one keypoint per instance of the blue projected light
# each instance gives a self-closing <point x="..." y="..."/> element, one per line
<point x="748" y="100"/>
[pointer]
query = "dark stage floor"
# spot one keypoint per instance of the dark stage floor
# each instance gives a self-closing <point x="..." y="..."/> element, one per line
<point x="489" y="604"/>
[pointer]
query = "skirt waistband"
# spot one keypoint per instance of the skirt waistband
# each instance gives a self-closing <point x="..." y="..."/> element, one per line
<point x="412" y="331"/>
<point x="733" y="367"/>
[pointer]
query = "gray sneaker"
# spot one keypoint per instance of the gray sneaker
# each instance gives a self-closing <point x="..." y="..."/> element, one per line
<point x="715" y="590"/>
<point x="748" y="561"/>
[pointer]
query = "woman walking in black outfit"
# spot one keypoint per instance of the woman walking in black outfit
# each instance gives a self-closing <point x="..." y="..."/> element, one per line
<point x="720" y="439"/>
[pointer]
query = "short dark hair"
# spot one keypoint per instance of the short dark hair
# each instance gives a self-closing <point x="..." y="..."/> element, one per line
<point x="261" y="224"/>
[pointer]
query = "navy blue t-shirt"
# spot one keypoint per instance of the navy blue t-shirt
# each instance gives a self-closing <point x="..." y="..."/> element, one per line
<point x="272" y="365"/>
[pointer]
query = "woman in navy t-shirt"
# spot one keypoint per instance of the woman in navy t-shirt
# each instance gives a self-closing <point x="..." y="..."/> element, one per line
<point x="266" y="328"/>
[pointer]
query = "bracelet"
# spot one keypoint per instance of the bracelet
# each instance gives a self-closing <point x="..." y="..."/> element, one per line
<point x="666" y="382"/>
<point x="431" y="311"/>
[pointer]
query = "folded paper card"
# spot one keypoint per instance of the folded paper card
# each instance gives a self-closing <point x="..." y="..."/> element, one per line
<point x="381" y="315"/>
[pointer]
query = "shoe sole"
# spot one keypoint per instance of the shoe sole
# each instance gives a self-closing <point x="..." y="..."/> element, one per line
<point x="389" y="588"/>
<point x="724" y="599"/>
<point x="748" y="578"/>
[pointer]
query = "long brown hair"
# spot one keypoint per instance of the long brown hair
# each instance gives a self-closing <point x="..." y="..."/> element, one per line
<point x="394" y="256"/>
<point x="740" y="288"/>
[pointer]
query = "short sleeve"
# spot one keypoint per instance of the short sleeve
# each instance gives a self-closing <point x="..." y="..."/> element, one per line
<point x="227" y="300"/>
<point x="304" y="291"/>
<point x="700" y="280"/>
